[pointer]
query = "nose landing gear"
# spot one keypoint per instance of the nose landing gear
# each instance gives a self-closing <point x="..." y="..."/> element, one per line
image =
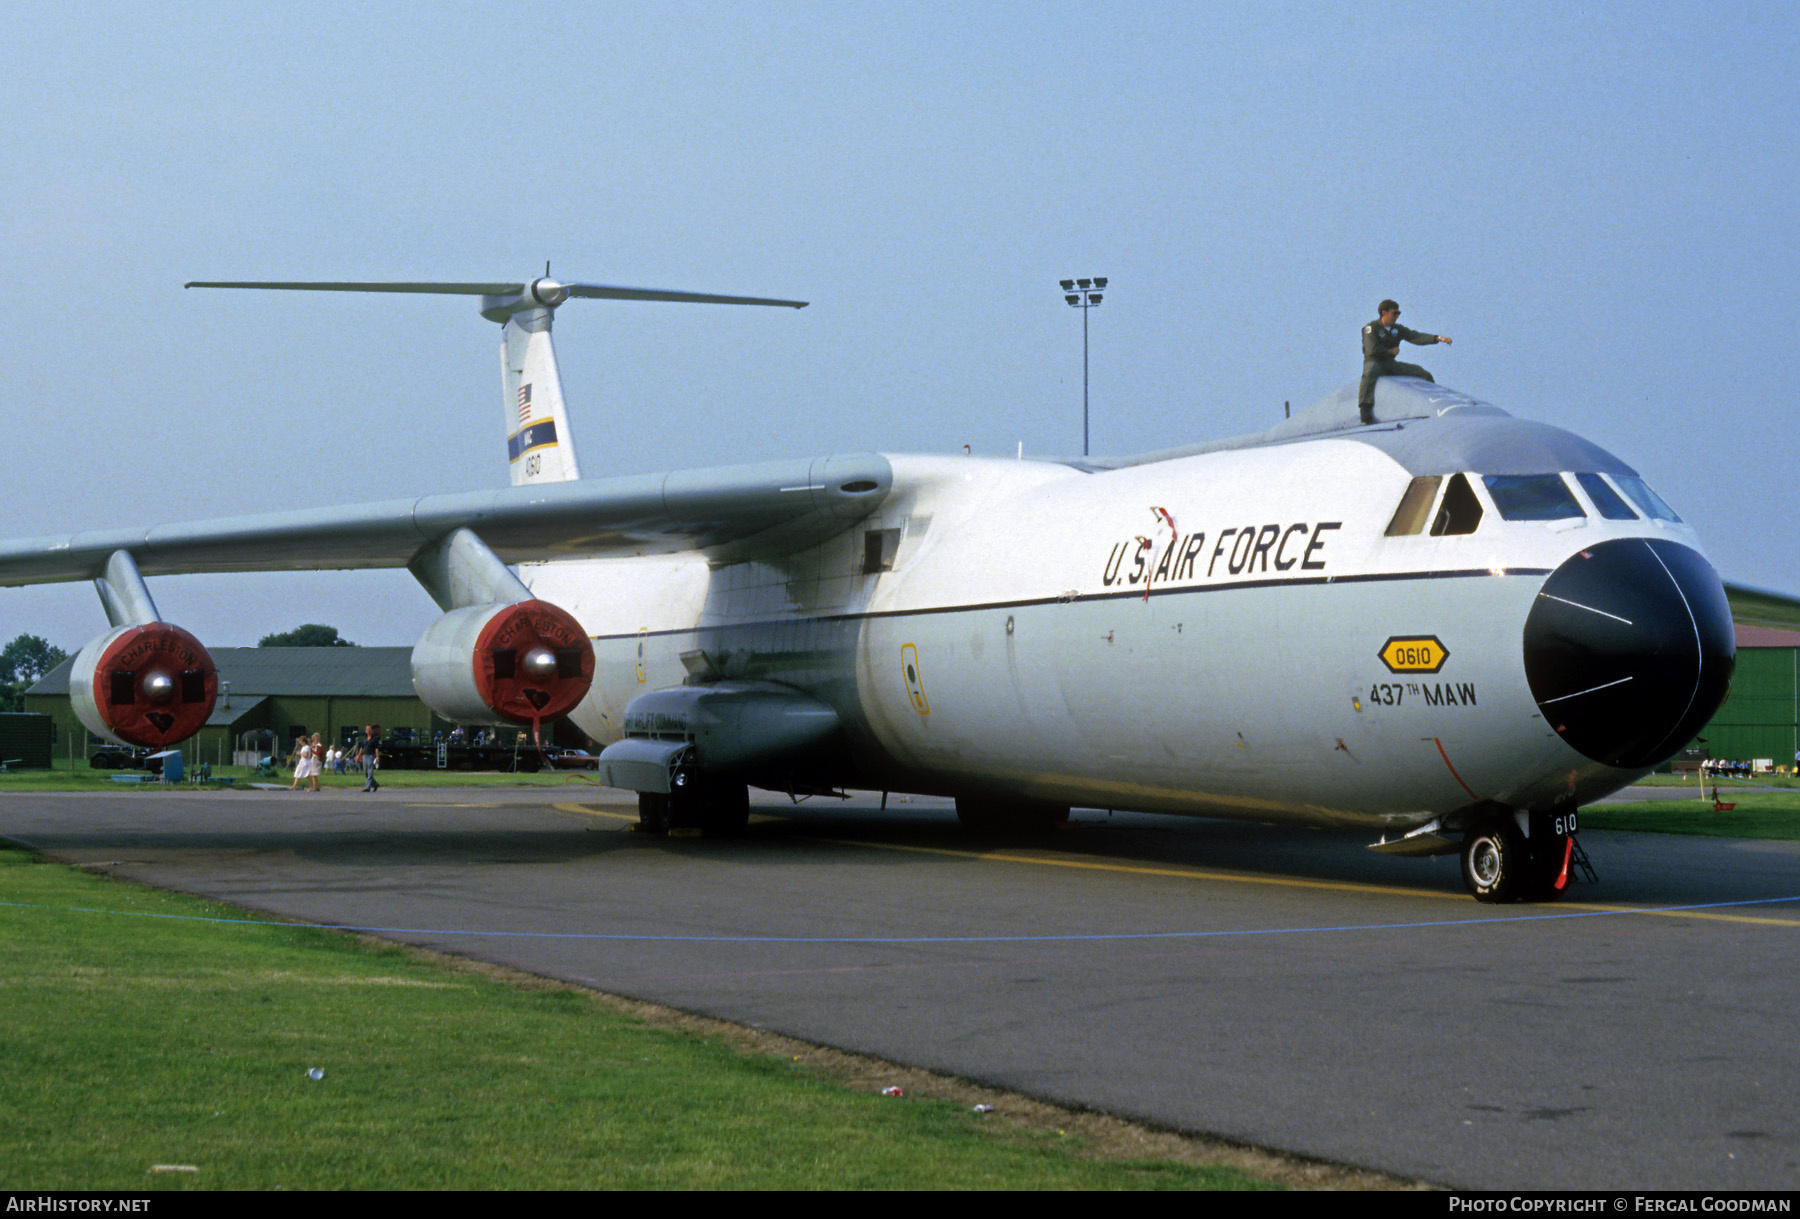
<point x="1503" y="861"/>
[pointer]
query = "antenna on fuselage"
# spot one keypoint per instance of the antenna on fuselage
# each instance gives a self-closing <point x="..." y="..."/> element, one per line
<point x="538" y="445"/>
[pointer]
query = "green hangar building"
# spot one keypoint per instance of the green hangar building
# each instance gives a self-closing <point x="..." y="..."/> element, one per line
<point x="1761" y="718"/>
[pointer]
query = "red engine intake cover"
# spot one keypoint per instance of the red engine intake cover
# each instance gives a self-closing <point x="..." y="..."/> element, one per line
<point x="155" y="685"/>
<point x="505" y="678"/>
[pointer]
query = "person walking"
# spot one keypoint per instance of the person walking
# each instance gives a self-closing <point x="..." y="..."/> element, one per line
<point x="370" y="757"/>
<point x="316" y="763"/>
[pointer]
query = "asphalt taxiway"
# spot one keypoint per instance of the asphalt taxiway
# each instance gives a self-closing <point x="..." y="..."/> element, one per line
<point x="1283" y="987"/>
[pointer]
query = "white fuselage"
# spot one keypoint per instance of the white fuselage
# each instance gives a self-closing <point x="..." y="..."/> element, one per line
<point x="1011" y="650"/>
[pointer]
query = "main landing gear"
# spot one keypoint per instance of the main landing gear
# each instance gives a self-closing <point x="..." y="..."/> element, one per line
<point x="1502" y="863"/>
<point x="696" y="806"/>
<point x="991" y="816"/>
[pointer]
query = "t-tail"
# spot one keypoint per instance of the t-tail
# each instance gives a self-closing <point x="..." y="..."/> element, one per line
<point x="539" y="448"/>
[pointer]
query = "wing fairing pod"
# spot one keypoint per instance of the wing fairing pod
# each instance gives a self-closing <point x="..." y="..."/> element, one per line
<point x="725" y="730"/>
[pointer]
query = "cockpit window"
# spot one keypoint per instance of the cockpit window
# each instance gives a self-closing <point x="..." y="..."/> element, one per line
<point x="1606" y="501"/>
<point x="1648" y="501"/>
<point x="1415" y="506"/>
<point x="1460" y="511"/>
<point x="1532" y="497"/>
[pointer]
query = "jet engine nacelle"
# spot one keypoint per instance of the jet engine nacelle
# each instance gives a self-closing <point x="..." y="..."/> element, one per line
<point x="152" y="684"/>
<point x="503" y="664"/>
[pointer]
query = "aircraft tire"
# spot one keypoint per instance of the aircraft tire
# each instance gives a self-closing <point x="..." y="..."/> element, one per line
<point x="725" y="810"/>
<point x="687" y="804"/>
<point x="1495" y="861"/>
<point x="653" y="813"/>
<point x="715" y="810"/>
<point x="982" y="816"/>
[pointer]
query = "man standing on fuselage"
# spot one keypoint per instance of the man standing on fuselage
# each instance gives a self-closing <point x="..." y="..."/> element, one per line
<point x="1381" y="343"/>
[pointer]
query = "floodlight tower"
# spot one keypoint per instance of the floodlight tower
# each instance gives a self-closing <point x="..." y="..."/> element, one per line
<point x="1084" y="294"/>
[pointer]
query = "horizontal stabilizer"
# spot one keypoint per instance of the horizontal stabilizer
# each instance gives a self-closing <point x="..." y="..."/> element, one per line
<point x="550" y="292"/>
<point x="489" y="289"/>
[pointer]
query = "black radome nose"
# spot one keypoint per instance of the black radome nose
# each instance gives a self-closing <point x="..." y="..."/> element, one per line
<point x="1629" y="650"/>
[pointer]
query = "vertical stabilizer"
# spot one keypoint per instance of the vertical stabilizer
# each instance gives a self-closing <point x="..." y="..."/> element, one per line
<point x="538" y="446"/>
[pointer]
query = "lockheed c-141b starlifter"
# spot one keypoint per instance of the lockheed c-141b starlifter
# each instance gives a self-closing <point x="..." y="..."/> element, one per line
<point x="1452" y="626"/>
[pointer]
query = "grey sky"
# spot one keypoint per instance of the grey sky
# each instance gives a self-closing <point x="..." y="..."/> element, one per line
<point x="1598" y="205"/>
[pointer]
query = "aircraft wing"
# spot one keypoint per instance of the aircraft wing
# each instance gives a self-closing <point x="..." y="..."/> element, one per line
<point x="1762" y="607"/>
<point x="732" y="512"/>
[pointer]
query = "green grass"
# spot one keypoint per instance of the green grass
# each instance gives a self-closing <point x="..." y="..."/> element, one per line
<point x="1687" y="781"/>
<point x="1759" y="814"/>
<point x="136" y="1041"/>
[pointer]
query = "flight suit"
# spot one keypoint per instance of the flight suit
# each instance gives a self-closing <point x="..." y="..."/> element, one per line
<point x="1378" y="342"/>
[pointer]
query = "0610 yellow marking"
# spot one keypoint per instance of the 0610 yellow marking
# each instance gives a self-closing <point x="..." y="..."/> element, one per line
<point x="1414" y="654"/>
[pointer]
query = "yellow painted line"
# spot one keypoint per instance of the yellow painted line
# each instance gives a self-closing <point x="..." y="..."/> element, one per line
<point x="1705" y="914"/>
<point x="585" y="811"/>
<point x="1141" y="869"/>
<point x="448" y="804"/>
<point x="1243" y="878"/>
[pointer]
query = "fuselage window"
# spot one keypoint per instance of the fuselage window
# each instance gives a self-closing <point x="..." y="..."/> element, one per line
<point x="1606" y="501"/>
<point x="1460" y="511"/>
<point x="1532" y="497"/>
<point x="1648" y="501"/>
<point x="1415" y="506"/>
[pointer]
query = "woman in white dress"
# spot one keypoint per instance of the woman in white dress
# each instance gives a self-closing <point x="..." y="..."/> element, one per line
<point x="315" y="760"/>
